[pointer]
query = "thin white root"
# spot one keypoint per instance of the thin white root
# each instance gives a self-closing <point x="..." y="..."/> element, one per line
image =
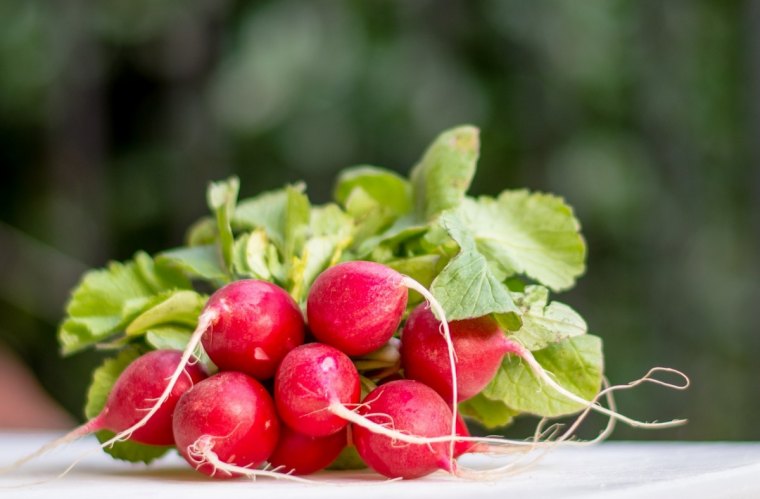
<point x="201" y="453"/>
<point x="543" y="376"/>
<point x="437" y="309"/>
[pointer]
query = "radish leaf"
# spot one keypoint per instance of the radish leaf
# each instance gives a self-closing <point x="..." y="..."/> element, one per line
<point x="443" y="175"/>
<point x="106" y="300"/>
<point x="466" y="287"/>
<point x="527" y="233"/>
<point x="489" y="413"/>
<point x="203" y="262"/>
<point x="544" y="323"/>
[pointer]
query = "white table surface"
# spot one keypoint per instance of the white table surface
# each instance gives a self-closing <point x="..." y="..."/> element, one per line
<point x="609" y="470"/>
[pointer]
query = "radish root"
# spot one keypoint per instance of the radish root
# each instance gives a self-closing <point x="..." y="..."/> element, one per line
<point x="544" y="377"/>
<point x="201" y="453"/>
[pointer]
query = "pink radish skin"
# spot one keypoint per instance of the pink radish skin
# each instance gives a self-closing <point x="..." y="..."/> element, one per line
<point x="311" y="378"/>
<point x="302" y="455"/>
<point x="257" y="324"/>
<point x="356" y="306"/>
<point x="479" y="344"/>
<point x="410" y="407"/>
<point x="228" y="418"/>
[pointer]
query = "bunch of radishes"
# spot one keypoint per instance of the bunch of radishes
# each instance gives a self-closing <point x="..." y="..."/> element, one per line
<point x="229" y="424"/>
<point x="311" y="344"/>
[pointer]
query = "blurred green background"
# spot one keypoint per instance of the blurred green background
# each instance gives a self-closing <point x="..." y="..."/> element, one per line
<point x="644" y="115"/>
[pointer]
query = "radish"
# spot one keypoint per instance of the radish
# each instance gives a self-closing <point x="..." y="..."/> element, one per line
<point x="479" y="344"/>
<point x="247" y="322"/>
<point x="480" y="347"/>
<point x="410" y="407"/>
<point x="310" y="379"/>
<point x="134" y="393"/>
<point x="356" y="306"/>
<point x="302" y="455"/>
<point x="256" y="324"/>
<point x="228" y="419"/>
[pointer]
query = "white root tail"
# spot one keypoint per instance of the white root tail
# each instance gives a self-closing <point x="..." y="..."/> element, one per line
<point x="201" y="453"/>
<point x="544" y="377"/>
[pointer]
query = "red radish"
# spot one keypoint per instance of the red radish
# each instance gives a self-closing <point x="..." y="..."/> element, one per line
<point x="410" y="407"/>
<point x="257" y="324"/>
<point x="356" y="306"/>
<point x="480" y="347"/>
<point x="228" y="419"/>
<point x="302" y="455"/>
<point x="309" y="380"/>
<point x="132" y="395"/>
<point x="479" y="344"/>
<point x="248" y="309"/>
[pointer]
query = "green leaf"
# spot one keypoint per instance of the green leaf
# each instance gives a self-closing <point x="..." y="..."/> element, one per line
<point x="489" y="413"/>
<point x="176" y="338"/>
<point x="385" y="187"/>
<point x="297" y="218"/>
<point x="103" y="379"/>
<point x="174" y="307"/>
<point x="202" y="232"/>
<point x="348" y="459"/>
<point x="528" y="233"/>
<point x="202" y="262"/>
<point x="222" y="197"/>
<point x="250" y="256"/>
<point x="443" y="175"/>
<point x="330" y="232"/>
<point x="157" y="276"/>
<point x="402" y="230"/>
<point x="575" y="363"/>
<point x="106" y="300"/>
<point x="370" y="217"/>
<point x="283" y="214"/>
<point x="422" y="269"/>
<point x="265" y="211"/>
<point x="466" y="287"/>
<point x="542" y="323"/>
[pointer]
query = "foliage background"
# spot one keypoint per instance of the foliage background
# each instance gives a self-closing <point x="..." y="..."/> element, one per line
<point x="644" y="115"/>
